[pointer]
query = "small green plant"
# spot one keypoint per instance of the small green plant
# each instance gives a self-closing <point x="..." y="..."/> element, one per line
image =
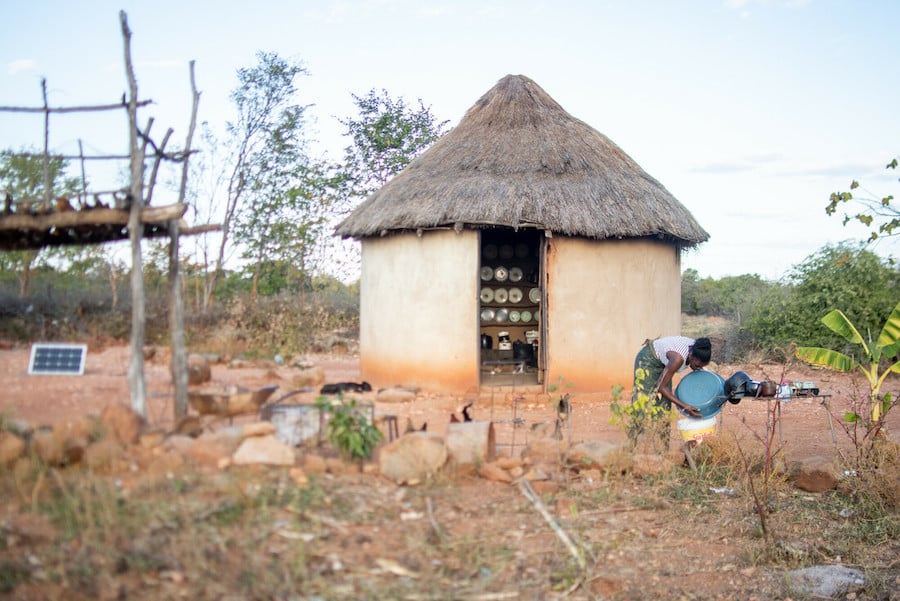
<point x="643" y="413"/>
<point x="348" y="427"/>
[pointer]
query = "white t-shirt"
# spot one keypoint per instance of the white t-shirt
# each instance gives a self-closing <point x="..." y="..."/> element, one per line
<point x="680" y="344"/>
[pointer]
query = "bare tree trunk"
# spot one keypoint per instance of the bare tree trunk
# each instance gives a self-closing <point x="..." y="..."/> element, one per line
<point x="114" y="284"/>
<point x="176" y="304"/>
<point x="25" y="279"/>
<point x="136" y="379"/>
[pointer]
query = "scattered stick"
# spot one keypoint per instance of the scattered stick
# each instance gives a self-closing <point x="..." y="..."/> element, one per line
<point x="528" y="492"/>
<point x="434" y="524"/>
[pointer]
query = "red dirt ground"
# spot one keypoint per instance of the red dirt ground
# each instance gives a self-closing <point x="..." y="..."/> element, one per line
<point x="45" y="399"/>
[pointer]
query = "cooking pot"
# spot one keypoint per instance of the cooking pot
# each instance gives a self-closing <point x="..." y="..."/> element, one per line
<point x="766" y="388"/>
<point x="486" y="341"/>
<point x="522" y="350"/>
<point x="736" y="386"/>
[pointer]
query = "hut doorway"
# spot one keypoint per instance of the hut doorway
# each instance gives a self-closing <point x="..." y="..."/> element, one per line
<point x="510" y="307"/>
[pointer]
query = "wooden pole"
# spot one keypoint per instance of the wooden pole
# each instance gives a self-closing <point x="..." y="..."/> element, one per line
<point x="176" y="303"/>
<point x="47" y="190"/>
<point x="136" y="379"/>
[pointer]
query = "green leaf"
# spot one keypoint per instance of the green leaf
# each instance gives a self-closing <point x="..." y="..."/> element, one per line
<point x="851" y="418"/>
<point x="825" y="358"/>
<point x="838" y="323"/>
<point x="890" y="333"/>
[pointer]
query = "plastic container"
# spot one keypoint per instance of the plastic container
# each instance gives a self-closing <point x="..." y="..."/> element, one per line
<point x="704" y="390"/>
<point x="696" y="429"/>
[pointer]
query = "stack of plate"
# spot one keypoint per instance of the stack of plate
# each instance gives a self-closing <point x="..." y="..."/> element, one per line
<point x="500" y="295"/>
<point x="534" y="295"/>
<point x="515" y="295"/>
<point x="487" y="295"/>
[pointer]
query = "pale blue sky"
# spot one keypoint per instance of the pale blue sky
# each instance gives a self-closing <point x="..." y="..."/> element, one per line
<point x="751" y="112"/>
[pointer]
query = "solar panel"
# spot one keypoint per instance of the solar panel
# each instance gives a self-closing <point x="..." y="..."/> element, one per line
<point x="56" y="358"/>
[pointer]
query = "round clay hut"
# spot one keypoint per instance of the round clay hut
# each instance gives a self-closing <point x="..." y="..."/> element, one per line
<point x="522" y="248"/>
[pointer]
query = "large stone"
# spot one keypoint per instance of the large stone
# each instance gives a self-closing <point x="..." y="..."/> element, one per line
<point x="544" y="450"/>
<point x="199" y="371"/>
<point x="11" y="448"/>
<point x="212" y="448"/>
<point x="48" y="447"/>
<point x="258" y="429"/>
<point x="413" y="457"/>
<point x="493" y="472"/>
<point x="814" y="474"/>
<point x="594" y="454"/>
<point x="263" y="450"/>
<point x="826" y="582"/>
<point x="122" y="423"/>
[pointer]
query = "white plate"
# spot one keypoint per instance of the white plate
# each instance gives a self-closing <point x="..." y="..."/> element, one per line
<point x="500" y="273"/>
<point x="486" y="273"/>
<point x="500" y="295"/>
<point x="515" y="316"/>
<point x="490" y="251"/>
<point x="487" y="315"/>
<point x="534" y="295"/>
<point x="515" y="295"/>
<point x="502" y="315"/>
<point x="506" y="251"/>
<point x="487" y="295"/>
<point x="515" y="274"/>
<point x="526" y="316"/>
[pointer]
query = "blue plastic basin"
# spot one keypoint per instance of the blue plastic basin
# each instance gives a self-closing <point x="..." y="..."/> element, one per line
<point x="704" y="390"/>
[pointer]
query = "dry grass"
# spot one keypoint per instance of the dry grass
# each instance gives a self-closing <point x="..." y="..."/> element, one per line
<point x="252" y="533"/>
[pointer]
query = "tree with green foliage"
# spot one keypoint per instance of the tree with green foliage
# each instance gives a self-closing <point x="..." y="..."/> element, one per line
<point x="730" y="296"/>
<point x="267" y="150"/>
<point x="843" y="275"/>
<point x="22" y="181"/>
<point x="878" y="214"/>
<point x="287" y="217"/>
<point x="386" y="136"/>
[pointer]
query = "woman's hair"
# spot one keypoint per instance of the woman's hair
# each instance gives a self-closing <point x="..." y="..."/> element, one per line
<point x="702" y="349"/>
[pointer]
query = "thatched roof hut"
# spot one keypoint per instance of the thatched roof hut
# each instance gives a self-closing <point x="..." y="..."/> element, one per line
<point x="521" y="225"/>
<point x="518" y="159"/>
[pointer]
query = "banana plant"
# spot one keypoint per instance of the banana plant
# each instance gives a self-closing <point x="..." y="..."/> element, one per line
<point x="886" y="347"/>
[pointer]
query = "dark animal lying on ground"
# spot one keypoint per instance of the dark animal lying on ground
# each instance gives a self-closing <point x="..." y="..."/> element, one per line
<point x="342" y="387"/>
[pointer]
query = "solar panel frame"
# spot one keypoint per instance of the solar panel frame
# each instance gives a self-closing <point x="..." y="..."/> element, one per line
<point x="57" y="359"/>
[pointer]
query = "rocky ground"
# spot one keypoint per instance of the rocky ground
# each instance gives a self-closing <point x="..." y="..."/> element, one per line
<point x="618" y="531"/>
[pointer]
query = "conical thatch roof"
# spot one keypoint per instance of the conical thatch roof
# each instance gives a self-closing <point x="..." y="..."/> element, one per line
<point x="518" y="159"/>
